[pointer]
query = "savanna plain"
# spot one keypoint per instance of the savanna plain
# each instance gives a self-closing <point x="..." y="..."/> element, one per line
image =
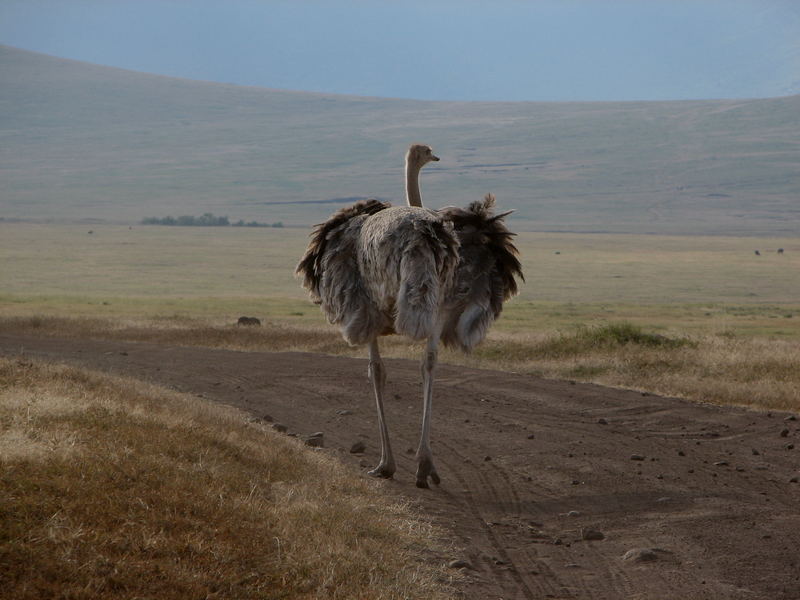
<point x="640" y="387"/>
<point x="117" y="488"/>
<point x="705" y="318"/>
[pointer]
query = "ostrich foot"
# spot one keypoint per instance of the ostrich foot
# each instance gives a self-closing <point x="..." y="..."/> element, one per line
<point x="382" y="470"/>
<point x="425" y="470"/>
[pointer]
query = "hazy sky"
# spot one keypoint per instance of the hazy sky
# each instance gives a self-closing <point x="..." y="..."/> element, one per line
<point x="438" y="49"/>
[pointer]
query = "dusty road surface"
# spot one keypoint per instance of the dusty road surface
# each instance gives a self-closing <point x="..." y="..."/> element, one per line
<point x="686" y="501"/>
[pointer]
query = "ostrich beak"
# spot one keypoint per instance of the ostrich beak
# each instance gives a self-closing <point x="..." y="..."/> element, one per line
<point x="434" y="158"/>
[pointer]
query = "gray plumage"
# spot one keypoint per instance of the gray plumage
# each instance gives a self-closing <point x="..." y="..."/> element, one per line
<point x="437" y="275"/>
<point x="376" y="269"/>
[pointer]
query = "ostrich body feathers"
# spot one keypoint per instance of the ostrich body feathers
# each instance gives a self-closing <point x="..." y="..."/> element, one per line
<point x="376" y="269"/>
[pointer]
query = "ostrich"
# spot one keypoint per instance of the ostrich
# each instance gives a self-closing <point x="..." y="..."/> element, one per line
<point x="430" y="275"/>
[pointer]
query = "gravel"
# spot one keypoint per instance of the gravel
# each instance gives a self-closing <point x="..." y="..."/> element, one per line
<point x="315" y="440"/>
<point x="591" y="534"/>
<point x="642" y="554"/>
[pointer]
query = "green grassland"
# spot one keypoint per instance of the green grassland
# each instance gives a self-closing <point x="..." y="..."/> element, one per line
<point x="702" y="284"/>
<point x="699" y="317"/>
<point x="85" y="142"/>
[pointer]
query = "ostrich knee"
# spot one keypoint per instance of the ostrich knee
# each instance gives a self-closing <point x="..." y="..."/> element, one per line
<point x="377" y="372"/>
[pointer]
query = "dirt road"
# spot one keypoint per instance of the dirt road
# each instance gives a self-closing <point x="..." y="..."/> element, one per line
<point x="706" y="497"/>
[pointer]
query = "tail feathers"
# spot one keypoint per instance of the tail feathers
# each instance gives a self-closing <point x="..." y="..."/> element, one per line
<point x="427" y="269"/>
<point x="487" y="273"/>
<point x="418" y="297"/>
<point x="467" y="329"/>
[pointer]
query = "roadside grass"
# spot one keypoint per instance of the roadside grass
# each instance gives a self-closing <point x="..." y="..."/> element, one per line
<point x="768" y="320"/>
<point x="720" y="369"/>
<point x="705" y="367"/>
<point x="113" y="488"/>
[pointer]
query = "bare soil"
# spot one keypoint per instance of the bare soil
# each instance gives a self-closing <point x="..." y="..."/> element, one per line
<point x="533" y="471"/>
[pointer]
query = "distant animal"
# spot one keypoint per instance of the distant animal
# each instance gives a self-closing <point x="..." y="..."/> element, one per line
<point x="90" y="232"/>
<point x="780" y="250"/>
<point x="431" y="275"/>
<point x="757" y="253"/>
<point x="248" y="322"/>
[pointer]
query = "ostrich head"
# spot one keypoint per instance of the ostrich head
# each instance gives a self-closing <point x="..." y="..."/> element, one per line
<point x="419" y="155"/>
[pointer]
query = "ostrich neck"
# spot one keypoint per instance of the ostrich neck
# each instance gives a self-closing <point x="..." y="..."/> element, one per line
<point x="413" y="197"/>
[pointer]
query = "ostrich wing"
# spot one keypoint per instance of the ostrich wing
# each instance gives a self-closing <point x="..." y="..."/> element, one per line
<point x="327" y="237"/>
<point x="486" y="276"/>
<point x="331" y="274"/>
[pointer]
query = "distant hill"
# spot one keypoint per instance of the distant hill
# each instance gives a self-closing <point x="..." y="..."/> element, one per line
<point x="81" y="141"/>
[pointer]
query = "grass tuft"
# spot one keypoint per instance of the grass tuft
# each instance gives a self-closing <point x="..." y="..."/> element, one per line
<point x="584" y="341"/>
<point x="605" y="338"/>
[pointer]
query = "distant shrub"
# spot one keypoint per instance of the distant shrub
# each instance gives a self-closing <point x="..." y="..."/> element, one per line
<point x="241" y="223"/>
<point x="204" y="220"/>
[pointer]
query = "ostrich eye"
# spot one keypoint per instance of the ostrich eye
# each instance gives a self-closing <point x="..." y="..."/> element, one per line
<point x="427" y="151"/>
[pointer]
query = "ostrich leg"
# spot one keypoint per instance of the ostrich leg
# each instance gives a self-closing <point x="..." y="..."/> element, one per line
<point x="377" y="374"/>
<point x="425" y="466"/>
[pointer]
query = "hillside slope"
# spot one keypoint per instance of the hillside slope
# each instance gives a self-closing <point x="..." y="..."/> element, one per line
<point x="81" y="141"/>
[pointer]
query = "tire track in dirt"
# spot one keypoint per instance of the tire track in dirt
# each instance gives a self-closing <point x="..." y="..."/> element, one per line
<point x="713" y="487"/>
<point x="534" y="577"/>
<point x="473" y="507"/>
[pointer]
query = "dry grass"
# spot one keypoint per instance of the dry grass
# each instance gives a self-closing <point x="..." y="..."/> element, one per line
<point x="722" y="369"/>
<point x="705" y="367"/>
<point x="112" y="488"/>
